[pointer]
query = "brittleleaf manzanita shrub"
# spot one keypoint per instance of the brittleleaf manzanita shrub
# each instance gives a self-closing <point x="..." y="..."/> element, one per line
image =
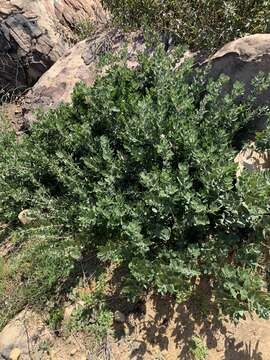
<point x="140" y="168"/>
<point x="198" y="23"/>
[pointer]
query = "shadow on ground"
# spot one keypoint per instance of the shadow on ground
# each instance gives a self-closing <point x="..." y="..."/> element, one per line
<point x="157" y="328"/>
<point x="162" y="329"/>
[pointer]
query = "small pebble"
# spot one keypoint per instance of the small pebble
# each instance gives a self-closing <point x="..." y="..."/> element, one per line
<point x="23" y="217"/>
<point x="73" y="352"/>
<point x="15" y="354"/>
<point x="119" y="317"/>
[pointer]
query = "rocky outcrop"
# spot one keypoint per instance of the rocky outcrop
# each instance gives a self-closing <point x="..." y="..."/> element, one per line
<point x="78" y="64"/>
<point x="34" y="34"/>
<point x="241" y="60"/>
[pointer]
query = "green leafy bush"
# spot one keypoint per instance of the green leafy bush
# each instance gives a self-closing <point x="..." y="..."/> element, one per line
<point x="200" y="24"/>
<point x="140" y="168"/>
<point x="198" y="349"/>
<point x="84" y="28"/>
<point x="92" y="313"/>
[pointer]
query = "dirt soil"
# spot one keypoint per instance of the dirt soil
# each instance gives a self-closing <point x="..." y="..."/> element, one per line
<point x="154" y="329"/>
<point x="159" y="330"/>
<point x="165" y="330"/>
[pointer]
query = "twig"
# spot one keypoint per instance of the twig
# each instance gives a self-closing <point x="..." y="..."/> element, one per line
<point x="27" y="335"/>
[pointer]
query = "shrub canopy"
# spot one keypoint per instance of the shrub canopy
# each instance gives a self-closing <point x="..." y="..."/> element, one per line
<point x="140" y="168"/>
<point x="197" y="23"/>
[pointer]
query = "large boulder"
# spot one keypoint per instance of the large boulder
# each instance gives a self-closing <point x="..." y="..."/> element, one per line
<point x="78" y="64"/>
<point x="34" y="34"/>
<point x="242" y="60"/>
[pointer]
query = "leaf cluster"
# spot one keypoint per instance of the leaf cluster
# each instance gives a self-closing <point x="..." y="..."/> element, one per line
<point x="140" y="168"/>
<point x="199" y="24"/>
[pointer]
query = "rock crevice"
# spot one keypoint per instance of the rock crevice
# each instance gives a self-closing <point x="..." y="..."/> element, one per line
<point x="34" y="34"/>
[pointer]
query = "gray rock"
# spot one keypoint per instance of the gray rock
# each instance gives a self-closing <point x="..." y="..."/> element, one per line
<point x="34" y="34"/>
<point x="242" y="60"/>
<point x="19" y="334"/>
<point x="119" y="316"/>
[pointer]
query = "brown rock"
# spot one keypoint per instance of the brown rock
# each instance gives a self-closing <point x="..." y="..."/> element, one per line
<point x="19" y="334"/>
<point x="252" y="160"/>
<point x="242" y="60"/>
<point x="34" y="34"/>
<point x="78" y="64"/>
<point x="15" y="354"/>
<point x="73" y="351"/>
<point x="24" y="217"/>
